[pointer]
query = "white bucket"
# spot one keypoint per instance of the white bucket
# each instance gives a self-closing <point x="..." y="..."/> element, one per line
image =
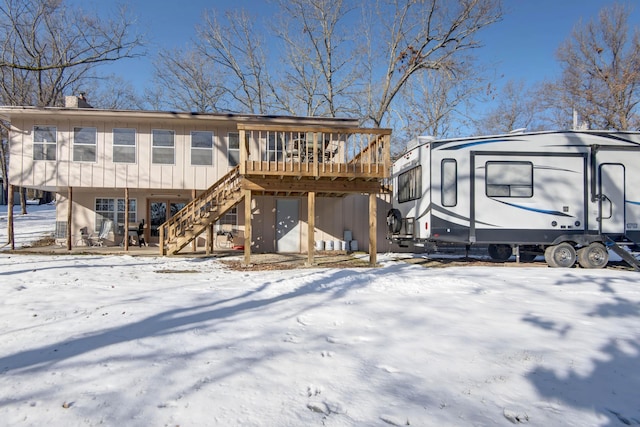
<point x="347" y="235"/>
<point x="337" y="245"/>
<point x="329" y="245"/>
<point x="354" y="245"/>
<point x="344" y="245"/>
<point x="319" y="245"/>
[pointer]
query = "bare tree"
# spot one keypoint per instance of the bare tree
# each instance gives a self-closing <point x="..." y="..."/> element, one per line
<point x="601" y="72"/>
<point x="433" y="102"/>
<point x="114" y="93"/>
<point x="320" y="70"/>
<point x="236" y="50"/>
<point x="47" y="49"/>
<point x="415" y="35"/>
<point x="515" y="106"/>
<point x="190" y="81"/>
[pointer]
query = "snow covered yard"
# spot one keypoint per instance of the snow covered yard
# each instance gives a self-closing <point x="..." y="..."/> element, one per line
<point x="120" y="340"/>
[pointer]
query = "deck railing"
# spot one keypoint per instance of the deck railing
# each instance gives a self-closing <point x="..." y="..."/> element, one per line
<point x="317" y="152"/>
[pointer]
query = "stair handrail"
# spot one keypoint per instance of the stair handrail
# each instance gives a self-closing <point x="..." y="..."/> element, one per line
<point x="198" y="207"/>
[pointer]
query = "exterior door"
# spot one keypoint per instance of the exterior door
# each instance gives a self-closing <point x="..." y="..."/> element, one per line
<point x="159" y="212"/>
<point x="612" y="182"/>
<point x="288" y="225"/>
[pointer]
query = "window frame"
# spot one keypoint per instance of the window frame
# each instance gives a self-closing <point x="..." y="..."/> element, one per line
<point x="414" y="179"/>
<point x="45" y="147"/>
<point x="81" y="149"/>
<point x="118" y="145"/>
<point x="497" y="189"/>
<point x="448" y="190"/>
<point x="233" y="161"/>
<point x="116" y="212"/>
<point x="157" y="149"/>
<point x="203" y="150"/>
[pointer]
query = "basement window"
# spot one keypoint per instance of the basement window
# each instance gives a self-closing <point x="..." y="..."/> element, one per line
<point x="113" y="210"/>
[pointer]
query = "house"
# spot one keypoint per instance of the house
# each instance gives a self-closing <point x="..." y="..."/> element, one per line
<point x="265" y="183"/>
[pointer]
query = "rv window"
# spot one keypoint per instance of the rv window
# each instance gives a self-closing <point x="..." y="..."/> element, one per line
<point x="509" y="179"/>
<point x="449" y="182"/>
<point x="410" y="185"/>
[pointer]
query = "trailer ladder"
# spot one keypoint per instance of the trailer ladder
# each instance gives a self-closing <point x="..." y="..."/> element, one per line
<point x="622" y="253"/>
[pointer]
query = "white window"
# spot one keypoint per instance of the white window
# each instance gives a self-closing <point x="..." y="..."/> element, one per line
<point x="84" y="144"/>
<point x="113" y="210"/>
<point x="163" y="151"/>
<point x="233" y="151"/>
<point x="509" y="179"/>
<point x="202" y="148"/>
<point x="44" y="142"/>
<point x="124" y="145"/>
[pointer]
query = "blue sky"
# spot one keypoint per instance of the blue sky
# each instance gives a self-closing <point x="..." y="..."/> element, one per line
<point x="521" y="47"/>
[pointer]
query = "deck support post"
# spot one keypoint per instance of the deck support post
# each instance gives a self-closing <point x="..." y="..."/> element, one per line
<point x="125" y="238"/>
<point x="247" y="227"/>
<point x="210" y="238"/>
<point x="10" y="231"/>
<point x="69" y="216"/>
<point x="311" y="223"/>
<point x="373" y="231"/>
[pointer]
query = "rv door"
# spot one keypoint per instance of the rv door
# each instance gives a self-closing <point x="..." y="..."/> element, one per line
<point x="611" y="206"/>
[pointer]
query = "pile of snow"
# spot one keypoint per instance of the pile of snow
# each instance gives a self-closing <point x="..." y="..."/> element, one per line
<point x="121" y="340"/>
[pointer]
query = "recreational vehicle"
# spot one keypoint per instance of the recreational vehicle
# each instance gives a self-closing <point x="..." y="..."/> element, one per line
<point x="569" y="196"/>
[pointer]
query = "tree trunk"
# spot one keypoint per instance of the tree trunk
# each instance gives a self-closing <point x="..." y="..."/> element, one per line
<point x="23" y="200"/>
<point x="10" y="236"/>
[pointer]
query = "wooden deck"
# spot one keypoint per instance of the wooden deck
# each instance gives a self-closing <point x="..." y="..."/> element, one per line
<point x="293" y="161"/>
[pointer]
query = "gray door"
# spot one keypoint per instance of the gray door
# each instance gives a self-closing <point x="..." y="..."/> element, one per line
<point x="288" y="225"/>
<point x="612" y="198"/>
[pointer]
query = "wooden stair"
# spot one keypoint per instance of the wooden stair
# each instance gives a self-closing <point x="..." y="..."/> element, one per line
<point x="202" y="212"/>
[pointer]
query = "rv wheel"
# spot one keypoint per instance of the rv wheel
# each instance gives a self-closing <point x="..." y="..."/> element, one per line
<point x="562" y="255"/>
<point x="499" y="252"/>
<point x="593" y="256"/>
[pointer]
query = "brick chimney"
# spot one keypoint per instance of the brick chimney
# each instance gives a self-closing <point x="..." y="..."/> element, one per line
<point x="79" y="101"/>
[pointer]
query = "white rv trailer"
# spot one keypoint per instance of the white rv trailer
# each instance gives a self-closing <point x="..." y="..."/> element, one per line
<point x="568" y="195"/>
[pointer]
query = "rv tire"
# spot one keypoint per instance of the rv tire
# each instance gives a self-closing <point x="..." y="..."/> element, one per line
<point x="499" y="252"/>
<point x="562" y="255"/>
<point x="593" y="256"/>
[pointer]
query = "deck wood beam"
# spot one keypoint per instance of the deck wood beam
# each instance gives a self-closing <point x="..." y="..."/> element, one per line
<point x="311" y="222"/>
<point x="319" y="186"/>
<point x="373" y="229"/>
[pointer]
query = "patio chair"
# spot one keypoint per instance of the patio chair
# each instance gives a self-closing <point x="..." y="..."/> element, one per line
<point x="104" y="232"/>
<point x="89" y="239"/>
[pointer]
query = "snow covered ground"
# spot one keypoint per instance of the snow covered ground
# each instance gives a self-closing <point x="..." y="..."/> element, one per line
<point x="121" y="340"/>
